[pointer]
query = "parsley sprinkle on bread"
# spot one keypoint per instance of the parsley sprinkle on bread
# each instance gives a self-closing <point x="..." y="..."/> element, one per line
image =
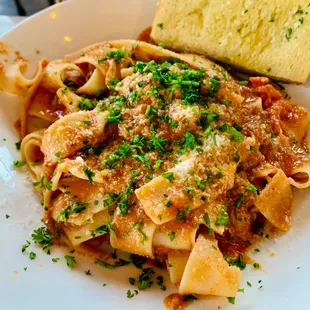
<point x="265" y="37"/>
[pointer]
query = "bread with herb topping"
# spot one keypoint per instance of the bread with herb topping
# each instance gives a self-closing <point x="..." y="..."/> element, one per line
<point x="268" y="37"/>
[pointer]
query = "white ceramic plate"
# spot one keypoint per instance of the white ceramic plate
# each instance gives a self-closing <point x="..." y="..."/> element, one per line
<point x="46" y="285"/>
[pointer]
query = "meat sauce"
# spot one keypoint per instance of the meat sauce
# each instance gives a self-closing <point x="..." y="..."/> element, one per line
<point x="264" y="115"/>
<point x="175" y="302"/>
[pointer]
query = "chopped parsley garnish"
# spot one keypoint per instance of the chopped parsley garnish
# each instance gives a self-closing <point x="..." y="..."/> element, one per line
<point x="171" y="235"/>
<point x="70" y="260"/>
<point x="132" y="281"/>
<point x="19" y="163"/>
<point x="137" y="260"/>
<point x="137" y="226"/>
<point x="190" y="192"/>
<point x="90" y="174"/>
<point x="102" y="230"/>
<point x="160" y="26"/>
<point x="48" y="185"/>
<point x="63" y="215"/>
<point x="119" y="263"/>
<point x="104" y="264"/>
<point x="207" y="118"/>
<point x="7" y="216"/>
<point x="256" y="265"/>
<point x="207" y="132"/>
<point x="249" y="284"/>
<point x="225" y="102"/>
<point x="157" y="143"/>
<point x="124" y="150"/>
<point x="78" y="207"/>
<point x="114" y="116"/>
<point x="299" y="11"/>
<point x="201" y="184"/>
<point x="87" y="123"/>
<point x="240" y="201"/>
<point x="272" y="19"/>
<point x="189" y="297"/>
<point x="110" y="228"/>
<point x="242" y="82"/>
<point x="117" y="55"/>
<point x="88" y="273"/>
<point x="168" y="204"/>
<point x="252" y="189"/>
<point x="215" y="82"/>
<point x="158" y="163"/>
<point x="135" y="96"/>
<point x="123" y="205"/>
<point x="144" y="159"/>
<point x="18" y="144"/>
<point x="207" y="221"/>
<point x="25" y="246"/>
<point x="190" y="141"/>
<point x="223" y="218"/>
<point x="151" y="112"/>
<point x="144" y="279"/>
<point x="225" y="75"/>
<point x="288" y="34"/>
<point x="169" y="176"/>
<point x="42" y="236"/>
<point x="71" y="84"/>
<point x="55" y="259"/>
<point x="231" y="300"/>
<point x="110" y="201"/>
<point x="234" y="134"/>
<point x="189" y="82"/>
<point x="86" y="104"/>
<point x="160" y="282"/>
<point x="112" y="83"/>
<point x="164" y="117"/>
<point x="64" y="91"/>
<point x="182" y="214"/>
<point x="238" y="262"/>
<point x="131" y="295"/>
<point x="32" y="255"/>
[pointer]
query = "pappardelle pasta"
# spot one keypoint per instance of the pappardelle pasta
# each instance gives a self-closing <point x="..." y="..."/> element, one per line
<point x="167" y="154"/>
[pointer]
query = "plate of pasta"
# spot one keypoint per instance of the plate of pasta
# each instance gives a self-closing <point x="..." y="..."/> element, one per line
<point x="133" y="175"/>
